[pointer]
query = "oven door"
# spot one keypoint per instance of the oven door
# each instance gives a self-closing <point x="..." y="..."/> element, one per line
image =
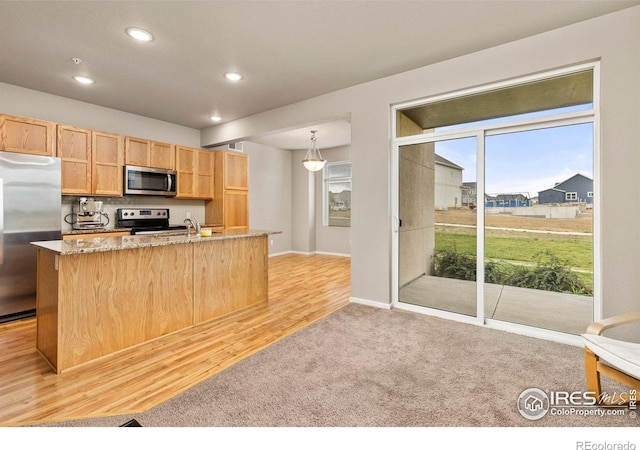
<point x="149" y="181"/>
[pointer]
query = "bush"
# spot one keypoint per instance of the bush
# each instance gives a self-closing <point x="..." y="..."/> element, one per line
<point x="451" y="264"/>
<point x="549" y="274"/>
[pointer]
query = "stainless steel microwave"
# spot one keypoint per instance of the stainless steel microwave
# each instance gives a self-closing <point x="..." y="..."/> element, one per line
<point x="149" y="181"/>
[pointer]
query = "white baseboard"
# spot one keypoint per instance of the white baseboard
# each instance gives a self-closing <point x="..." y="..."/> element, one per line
<point x="278" y="254"/>
<point x="362" y="301"/>
<point x="345" y="255"/>
<point x="295" y="252"/>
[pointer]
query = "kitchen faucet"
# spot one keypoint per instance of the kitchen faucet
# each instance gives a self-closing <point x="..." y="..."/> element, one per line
<point x="192" y="222"/>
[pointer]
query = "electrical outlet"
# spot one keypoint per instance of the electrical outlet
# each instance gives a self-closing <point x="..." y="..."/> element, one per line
<point x="271" y="241"/>
<point x="188" y="215"/>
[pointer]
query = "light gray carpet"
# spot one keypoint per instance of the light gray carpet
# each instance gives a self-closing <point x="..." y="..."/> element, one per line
<point x="366" y="367"/>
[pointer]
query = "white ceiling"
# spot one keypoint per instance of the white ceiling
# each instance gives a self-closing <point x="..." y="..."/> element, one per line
<point x="287" y="50"/>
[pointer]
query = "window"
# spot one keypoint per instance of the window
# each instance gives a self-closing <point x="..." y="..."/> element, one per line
<point x="512" y="141"/>
<point x="337" y="194"/>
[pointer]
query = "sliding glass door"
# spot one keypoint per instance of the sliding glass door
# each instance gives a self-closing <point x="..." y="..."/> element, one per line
<point x="539" y="226"/>
<point x="437" y="223"/>
<point x="495" y="205"/>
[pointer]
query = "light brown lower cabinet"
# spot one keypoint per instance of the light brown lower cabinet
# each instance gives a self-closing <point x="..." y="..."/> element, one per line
<point x="236" y="209"/>
<point x="93" y="304"/>
<point x="234" y="277"/>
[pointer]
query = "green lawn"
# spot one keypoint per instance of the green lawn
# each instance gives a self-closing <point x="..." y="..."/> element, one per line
<point x="578" y="252"/>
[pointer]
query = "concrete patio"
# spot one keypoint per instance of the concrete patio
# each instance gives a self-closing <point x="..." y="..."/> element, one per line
<point x="567" y="313"/>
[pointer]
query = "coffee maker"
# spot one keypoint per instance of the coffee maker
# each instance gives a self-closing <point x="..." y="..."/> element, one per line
<point x="88" y="214"/>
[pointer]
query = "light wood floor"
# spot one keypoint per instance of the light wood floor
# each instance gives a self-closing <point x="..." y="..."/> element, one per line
<point x="302" y="289"/>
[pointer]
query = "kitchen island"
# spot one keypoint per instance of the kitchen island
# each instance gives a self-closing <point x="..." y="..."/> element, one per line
<point x="98" y="296"/>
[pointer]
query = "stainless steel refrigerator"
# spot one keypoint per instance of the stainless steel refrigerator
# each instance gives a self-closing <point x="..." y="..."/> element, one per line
<point x="30" y="210"/>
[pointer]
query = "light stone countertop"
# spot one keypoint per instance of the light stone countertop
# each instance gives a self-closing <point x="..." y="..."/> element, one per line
<point x="94" y="245"/>
<point x="94" y="230"/>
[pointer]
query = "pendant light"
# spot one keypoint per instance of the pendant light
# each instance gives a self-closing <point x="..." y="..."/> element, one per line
<point x="313" y="160"/>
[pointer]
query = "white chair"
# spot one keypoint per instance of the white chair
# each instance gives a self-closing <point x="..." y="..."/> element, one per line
<point x="616" y="359"/>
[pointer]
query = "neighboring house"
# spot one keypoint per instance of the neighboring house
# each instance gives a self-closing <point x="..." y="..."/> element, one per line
<point x="578" y="188"/>
<point x="470" y="194"/>
<point x="448" y="184"/>
<point x="507" y="200"/>
<point x="340" y="202"/>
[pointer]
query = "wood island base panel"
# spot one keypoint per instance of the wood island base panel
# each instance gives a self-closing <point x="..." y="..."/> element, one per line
<point x="98" y="296"/>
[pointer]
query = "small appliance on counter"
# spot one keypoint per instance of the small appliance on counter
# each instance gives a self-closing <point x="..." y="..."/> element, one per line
<point x="87" y="214"/>
<point x="147" y="221"/>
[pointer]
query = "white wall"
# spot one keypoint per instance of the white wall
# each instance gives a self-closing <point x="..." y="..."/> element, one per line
<point x="612" y="39"/>
<point x="310" y="235"/>
<point x="270" y="193"/>
<point x="303" y="217"/>
<point x="38" y="105"/>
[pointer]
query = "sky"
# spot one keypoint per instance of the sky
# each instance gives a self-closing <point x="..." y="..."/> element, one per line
<point x="525" y="162"/>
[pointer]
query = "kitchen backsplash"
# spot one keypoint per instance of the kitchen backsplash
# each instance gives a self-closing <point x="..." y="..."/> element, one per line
<point x="178" y="209"/>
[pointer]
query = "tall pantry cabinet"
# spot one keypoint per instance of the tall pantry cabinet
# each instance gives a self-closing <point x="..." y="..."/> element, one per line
<point x="230" y="206"/>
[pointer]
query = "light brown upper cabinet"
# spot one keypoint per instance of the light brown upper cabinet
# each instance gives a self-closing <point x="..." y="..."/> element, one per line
<point x="92" y="161"/>
<point x="146" y="153"/>
<point x="230" y="206"/>
<point x="107" y="163"/>
<point x="205" y="163"/>
<point x="74" y="150"/>
<point x="162" y="156"/>
<point x="195" y="173"/>
<point x="24" y="135"/>
<point x="234" y="169"/>
<point x="185" y="166"/>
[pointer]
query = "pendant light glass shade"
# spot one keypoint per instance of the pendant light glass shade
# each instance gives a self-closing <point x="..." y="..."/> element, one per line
<point x="313" y="160"/>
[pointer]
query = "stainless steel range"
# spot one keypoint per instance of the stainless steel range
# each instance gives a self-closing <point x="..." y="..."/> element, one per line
<point x="147" y="221"/>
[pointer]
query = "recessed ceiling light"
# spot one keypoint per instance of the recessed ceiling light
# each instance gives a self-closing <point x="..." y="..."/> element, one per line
<point x="216" y="118"/>
<point x="140" y="34"/>
<point x="83" y="80"/>
<point x="233" y="76"/>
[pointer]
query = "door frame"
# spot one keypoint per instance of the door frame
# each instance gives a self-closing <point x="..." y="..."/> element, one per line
<point x="480" y="132"/>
